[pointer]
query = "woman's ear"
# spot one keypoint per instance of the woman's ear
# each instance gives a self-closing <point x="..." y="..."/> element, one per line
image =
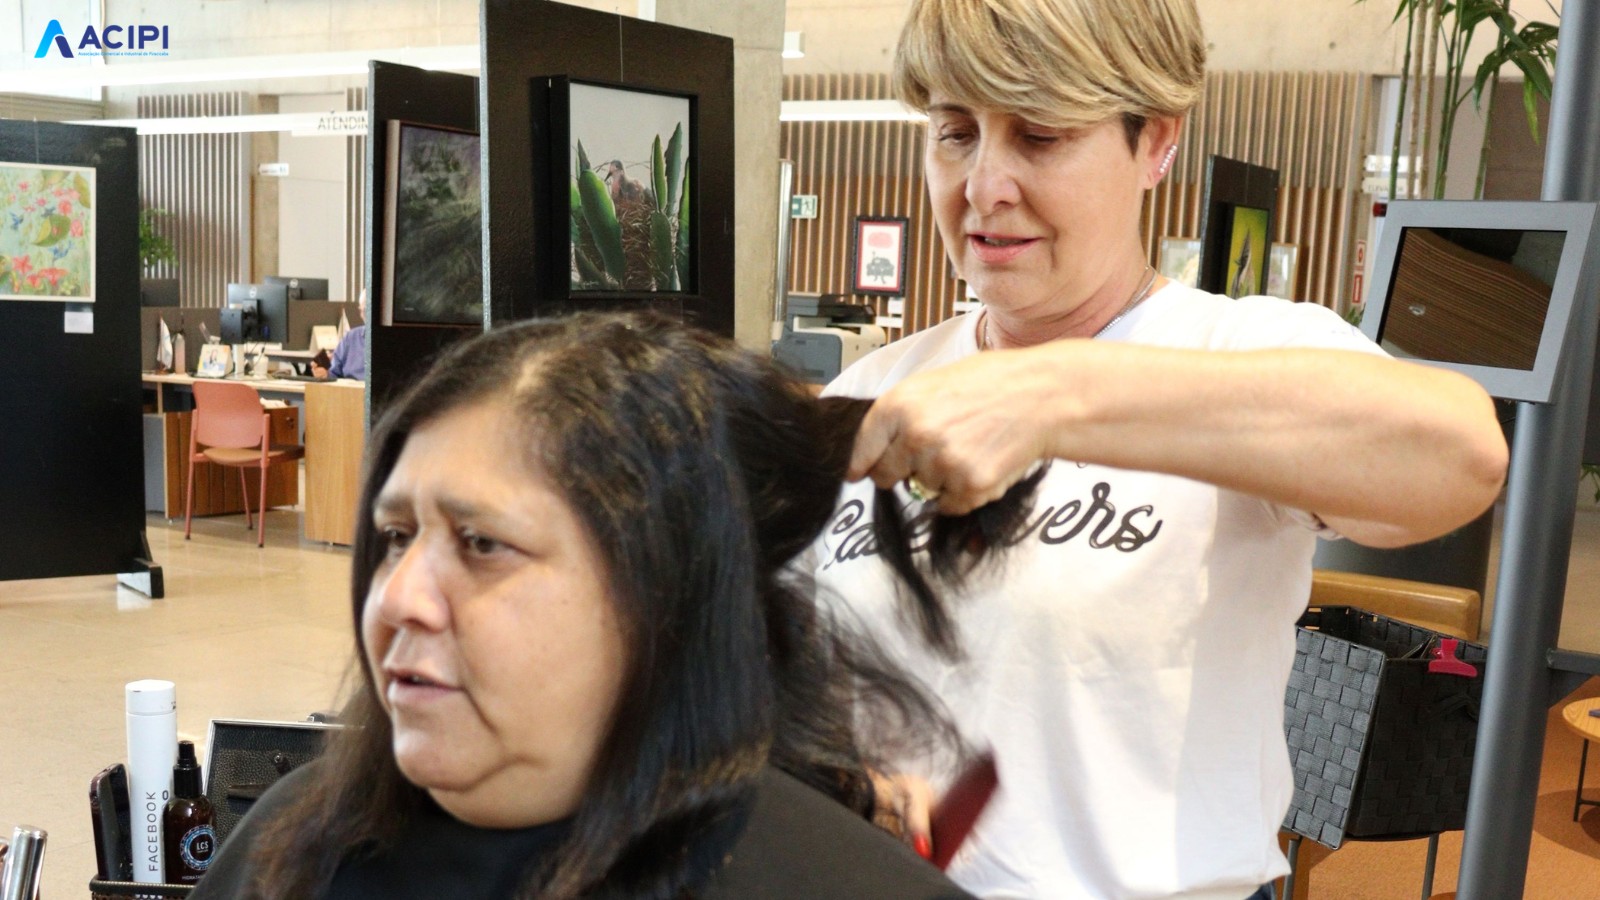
<point x="1158" y="147"/>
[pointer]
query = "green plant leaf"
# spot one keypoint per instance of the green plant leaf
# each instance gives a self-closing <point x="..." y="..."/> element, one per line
<point x="663" y="256"/>
<point x="658" y="176"/>
<point x="1530" y="107"/>
<point x="1591" y="473"/>
<point x="684" y="232"/>
<point x="81" y="185"/>
<point x="575" y="212"/>
<point x="601" y="217"/>
<point x="583" y="160"/>
<point x="589" y="273"/>
<point x="52" y="230"/>
<point x="675" y="164"/>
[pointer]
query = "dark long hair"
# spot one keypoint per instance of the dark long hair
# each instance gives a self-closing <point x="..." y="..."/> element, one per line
<point x="701" y="471"/>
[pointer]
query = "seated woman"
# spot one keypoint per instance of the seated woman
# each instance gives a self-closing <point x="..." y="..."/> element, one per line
<point x="585" y="670"/>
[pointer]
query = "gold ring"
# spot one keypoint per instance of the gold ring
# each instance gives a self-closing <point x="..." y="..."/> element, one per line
<point x="919" y="491"/>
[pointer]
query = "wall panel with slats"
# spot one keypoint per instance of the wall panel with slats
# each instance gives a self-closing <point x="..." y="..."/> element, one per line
<point x="49" y="109"/>
<point x="1312" y="127"/>
<point x="203" y="182"/>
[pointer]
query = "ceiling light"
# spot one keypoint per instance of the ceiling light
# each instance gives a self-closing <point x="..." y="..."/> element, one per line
<point x="334" y="123"/>
<point x="458" y="58"/>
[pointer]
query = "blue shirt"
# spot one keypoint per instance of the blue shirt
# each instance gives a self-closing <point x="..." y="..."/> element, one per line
<point x="350" y="357"/>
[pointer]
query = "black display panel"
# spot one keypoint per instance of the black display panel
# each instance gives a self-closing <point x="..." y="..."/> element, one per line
<point x="1484" y="288"/>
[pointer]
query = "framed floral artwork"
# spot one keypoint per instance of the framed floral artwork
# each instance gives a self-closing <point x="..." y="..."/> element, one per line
<point x="47" y="233"/>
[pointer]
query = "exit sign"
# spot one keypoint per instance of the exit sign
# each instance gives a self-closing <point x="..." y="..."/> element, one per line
<point x="803" y="206"/>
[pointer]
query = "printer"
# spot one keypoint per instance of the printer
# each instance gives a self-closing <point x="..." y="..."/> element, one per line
<point x="821" y="335"/>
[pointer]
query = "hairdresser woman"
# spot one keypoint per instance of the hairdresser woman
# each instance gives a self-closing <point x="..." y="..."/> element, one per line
<point x="1128" y="663"/>
<point x="581" y="675"/>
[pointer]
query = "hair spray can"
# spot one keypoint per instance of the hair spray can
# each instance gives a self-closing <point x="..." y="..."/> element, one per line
<point x="152" y="752"/>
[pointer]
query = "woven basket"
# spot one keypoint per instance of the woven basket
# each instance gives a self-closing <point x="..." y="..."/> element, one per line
<point x="1381" y="747"/>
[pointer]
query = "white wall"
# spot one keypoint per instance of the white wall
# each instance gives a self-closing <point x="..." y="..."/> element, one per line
<point x="845" y="36"/>
<point x="311" y="199"/>
<point x="22" y="24"/>
<point x="205" y="29"/>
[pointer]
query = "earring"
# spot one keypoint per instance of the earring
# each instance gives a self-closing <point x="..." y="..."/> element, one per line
<point x="1172" y="154"/>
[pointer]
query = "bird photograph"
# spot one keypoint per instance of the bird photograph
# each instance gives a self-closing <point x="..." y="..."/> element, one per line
<point x="630" y="223"/>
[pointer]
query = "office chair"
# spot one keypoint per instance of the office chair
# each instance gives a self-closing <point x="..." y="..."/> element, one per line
<point x="231" y="429"/>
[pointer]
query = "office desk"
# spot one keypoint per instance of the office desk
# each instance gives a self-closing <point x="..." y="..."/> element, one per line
<point x="334" y="418"/>
<point x="335" y="440"/>
<point x="168" y="387"/>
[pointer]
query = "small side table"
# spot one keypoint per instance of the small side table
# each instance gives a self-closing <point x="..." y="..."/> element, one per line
<point x="1587" y="727"/>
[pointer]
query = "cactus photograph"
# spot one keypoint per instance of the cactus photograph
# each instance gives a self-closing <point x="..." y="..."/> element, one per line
<point x="631" y="225"/>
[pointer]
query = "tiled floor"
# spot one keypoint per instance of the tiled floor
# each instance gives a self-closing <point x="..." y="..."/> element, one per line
<point x="265" y="634"/>
<point x="244" y="633"/>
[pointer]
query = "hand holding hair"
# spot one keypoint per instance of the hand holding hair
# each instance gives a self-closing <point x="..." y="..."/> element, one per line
<point x="966" y="432"/>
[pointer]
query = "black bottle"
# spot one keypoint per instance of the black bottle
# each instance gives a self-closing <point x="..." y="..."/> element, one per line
<point x="188" y="828"/>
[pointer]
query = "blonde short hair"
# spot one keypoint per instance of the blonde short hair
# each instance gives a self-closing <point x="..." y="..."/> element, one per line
<point x="1058" y="63"/>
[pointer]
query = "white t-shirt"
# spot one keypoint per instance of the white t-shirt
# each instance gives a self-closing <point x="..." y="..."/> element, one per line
<point x="1127" y="660"/>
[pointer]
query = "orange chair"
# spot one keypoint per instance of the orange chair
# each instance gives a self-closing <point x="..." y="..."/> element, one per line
<point x="231" y="429"/>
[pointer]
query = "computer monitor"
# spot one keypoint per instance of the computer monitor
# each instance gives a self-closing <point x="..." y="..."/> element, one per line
<point x="158" y="292"/>
<point x="241" y="321"/>
<point x="1484" y="288"/>
<point x="272" y="302"/>
<point x="301" y="288"/>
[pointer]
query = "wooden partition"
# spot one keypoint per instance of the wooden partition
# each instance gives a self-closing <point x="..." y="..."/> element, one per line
<point x="335" y="441"/>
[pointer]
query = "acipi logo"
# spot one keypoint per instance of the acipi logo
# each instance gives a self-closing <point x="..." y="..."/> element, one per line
<point x="111" y="40"/>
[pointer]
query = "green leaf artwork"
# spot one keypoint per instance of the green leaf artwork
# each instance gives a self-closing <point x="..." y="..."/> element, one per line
<point x="630" y="223"/>
<point x="47" y="230"/>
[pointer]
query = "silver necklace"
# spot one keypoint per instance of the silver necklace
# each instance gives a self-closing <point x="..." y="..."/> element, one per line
<point x="1139" y="296"/>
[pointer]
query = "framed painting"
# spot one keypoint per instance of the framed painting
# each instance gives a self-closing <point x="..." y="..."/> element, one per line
<point x="619" y="174"/>
<point x="632" y="224"/>
<point x="878" y="252"/>
<point x="1283" y="268"/>
<point x="1239" y="199"/>
<point x="646" y="81"/>
<point x="433" y="227"/>
<point x="1247" y="252"/>
<point x="1179" y="260"/>
<point x="47" y="233"/>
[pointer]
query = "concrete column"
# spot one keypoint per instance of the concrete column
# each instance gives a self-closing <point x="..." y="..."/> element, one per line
<point x="756" y="27"/>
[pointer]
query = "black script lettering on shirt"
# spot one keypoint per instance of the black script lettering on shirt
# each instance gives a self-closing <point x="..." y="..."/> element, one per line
<point x="852" y="524"/>
<point x="1059" y="525"/>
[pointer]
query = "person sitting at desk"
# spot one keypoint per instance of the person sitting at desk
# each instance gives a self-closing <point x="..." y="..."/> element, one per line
<point x="349" y="358"/>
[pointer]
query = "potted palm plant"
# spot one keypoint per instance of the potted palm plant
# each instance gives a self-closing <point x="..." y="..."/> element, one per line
<point x="154" y="248"/>
<point x="1435" y="30"/>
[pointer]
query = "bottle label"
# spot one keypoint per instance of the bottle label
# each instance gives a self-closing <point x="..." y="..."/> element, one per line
<point x="197" y="845"/>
